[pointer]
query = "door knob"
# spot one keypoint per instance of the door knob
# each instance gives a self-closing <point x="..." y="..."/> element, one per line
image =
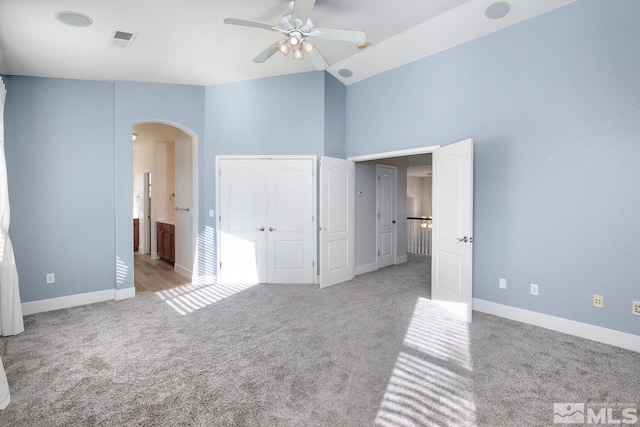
<point x="260" y="229"/>
<point x="393" y="221"/>
<point x="465" y="239"/>
<point x="271" y="228"/>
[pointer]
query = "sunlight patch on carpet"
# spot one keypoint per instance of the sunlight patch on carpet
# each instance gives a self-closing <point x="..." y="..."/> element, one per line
<point x="189" y="298"/>
<point x="430" y="383"/>
<point x="432" y="333"/>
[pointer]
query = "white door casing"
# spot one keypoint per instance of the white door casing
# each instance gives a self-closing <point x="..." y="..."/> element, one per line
<point x="183" y="187"/>
<point x="337" y="221"/>
<point x="451" y="283"/>
<point x="266" y="221"/>
<point x="145" y="225"/>
<point x="386" y="222"/>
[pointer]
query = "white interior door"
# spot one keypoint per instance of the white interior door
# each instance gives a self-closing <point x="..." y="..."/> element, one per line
<point x="184" y="207"/>
<point x="386" y="201"/>
<point x="242" y="221"/>
<point x="290" y="221"/>
<point x="337" y="221"/>
<point x="453" y="227"/>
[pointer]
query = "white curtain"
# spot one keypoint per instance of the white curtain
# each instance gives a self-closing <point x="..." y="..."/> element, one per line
<point x="10" y="306"/>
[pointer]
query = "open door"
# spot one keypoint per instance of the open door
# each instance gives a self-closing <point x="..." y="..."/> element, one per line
<point x="337" y="221"/>
<point x="453" y="228"/>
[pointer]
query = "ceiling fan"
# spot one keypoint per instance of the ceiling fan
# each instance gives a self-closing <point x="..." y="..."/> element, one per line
<point x="298" y="29"/>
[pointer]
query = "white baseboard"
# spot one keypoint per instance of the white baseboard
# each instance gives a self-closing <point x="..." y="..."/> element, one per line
<point x="66" y="302"/>
<point x="571" y="327"/>
<point x="367" y="268"/>
<point x="401" y="259"/>
<point x="182" y="270"/>
<point x="125" y="293"/>
<point x="51" y="304"/>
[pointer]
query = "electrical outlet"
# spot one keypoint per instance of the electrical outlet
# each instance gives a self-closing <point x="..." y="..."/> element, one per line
<point x="51" y="278"/>
<point x="502" y="283"/>
<point x="598" y="301"/>
<point x="636" y="308"/>
<point x="534" y="289"/>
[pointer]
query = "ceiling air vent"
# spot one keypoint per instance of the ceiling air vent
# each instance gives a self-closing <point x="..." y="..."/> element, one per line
<point x="122" y="38"/>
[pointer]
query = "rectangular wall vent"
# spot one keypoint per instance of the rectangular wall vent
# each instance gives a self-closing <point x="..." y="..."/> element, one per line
<point x="121" y="38"/>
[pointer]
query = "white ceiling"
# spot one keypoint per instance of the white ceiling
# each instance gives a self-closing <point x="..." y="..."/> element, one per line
<point x="188" y="43"/>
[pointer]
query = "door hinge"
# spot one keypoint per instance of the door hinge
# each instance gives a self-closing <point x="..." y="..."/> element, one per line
<point x="313" y="264"/>
<point x="378" y="177"/>
<point x="220" y="218"/>
<point x="378" y="253"/>
<point x="378" y="214"/>
<point x="220" y="264"/>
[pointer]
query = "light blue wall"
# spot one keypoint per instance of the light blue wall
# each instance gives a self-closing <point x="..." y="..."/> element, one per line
<point x="69" y="153"/>
<point x="553" y="105"/>
<point x="334" y="117"/>
<point x="139" y="102"/>
<point x="60" y="156"/>
<point x="278" y="115"/>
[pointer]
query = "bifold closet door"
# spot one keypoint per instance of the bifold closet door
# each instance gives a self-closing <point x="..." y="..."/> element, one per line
<point x="266" y="221"/>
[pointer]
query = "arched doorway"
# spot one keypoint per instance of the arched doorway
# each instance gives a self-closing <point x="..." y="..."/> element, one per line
<point x="165" y="195"/>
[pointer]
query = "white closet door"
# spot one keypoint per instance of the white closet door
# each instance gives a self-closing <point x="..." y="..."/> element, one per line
<point x="242" y="226"/>
<point x="289" y="221"/>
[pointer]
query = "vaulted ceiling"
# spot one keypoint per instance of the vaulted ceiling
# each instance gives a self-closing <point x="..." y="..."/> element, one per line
<point x="188" y="42"/>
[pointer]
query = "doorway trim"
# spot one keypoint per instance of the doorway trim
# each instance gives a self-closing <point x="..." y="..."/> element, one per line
<point x="397" y="153"/>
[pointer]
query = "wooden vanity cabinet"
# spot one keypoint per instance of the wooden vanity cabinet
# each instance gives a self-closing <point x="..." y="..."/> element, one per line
<point x="166" y="241"/>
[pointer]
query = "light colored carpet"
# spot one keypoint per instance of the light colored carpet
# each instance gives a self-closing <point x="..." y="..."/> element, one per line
<point x="374" y="351"/>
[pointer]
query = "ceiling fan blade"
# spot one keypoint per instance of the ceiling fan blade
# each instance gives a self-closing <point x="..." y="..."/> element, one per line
<point x="317" y="59"/>
<point x="355" y="36"/>
<point x="245" y="23"/>
<point x="302" y="10"/>
<point x="267" y="53"/>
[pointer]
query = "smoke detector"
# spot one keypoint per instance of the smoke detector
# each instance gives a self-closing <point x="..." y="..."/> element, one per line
<point x="121" y="38"/>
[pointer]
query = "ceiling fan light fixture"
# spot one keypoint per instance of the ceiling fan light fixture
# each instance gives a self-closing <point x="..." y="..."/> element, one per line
<point x="294" y="39"/>
<point x="297" y="54"/>
<point x="284" y="48"/>
<point x="307" y="46"/>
